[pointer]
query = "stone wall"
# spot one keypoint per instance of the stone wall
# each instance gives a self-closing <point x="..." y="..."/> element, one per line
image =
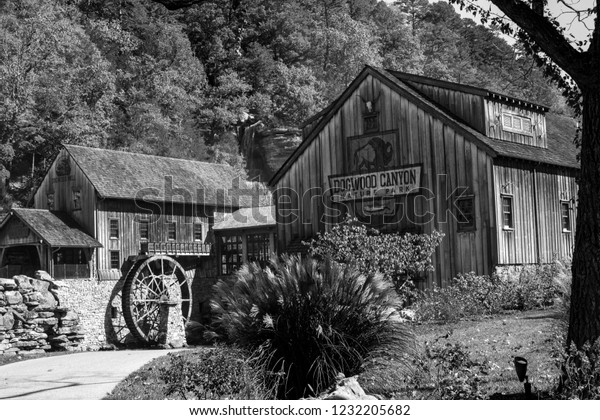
<point x="33" y="319"/>
<point x="91" y="300"/>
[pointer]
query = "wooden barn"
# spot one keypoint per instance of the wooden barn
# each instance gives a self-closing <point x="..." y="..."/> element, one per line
<point x="406" y="153"/>
<point x="141" y="225"/>
<point x="132" y="204"/>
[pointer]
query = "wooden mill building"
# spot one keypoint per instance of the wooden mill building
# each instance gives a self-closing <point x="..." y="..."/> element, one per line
<point x="406" y="153"/>
<point x="96" y="210"/>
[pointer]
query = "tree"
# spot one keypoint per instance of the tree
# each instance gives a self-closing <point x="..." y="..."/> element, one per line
<point x="547" y="40"/>
<point x="55" y="86"/>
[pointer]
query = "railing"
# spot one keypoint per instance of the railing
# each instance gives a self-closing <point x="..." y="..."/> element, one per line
<point x="176" y="248"/>
<point x="71" y="271"/>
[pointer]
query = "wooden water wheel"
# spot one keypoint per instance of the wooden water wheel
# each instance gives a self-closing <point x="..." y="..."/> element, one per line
<point x="149" y="284"/>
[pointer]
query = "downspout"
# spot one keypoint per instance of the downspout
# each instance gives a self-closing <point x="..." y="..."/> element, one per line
<point x="536" y="216"/>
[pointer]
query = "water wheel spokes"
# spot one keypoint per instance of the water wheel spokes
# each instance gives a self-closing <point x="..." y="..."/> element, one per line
<point x="149" y="284"/>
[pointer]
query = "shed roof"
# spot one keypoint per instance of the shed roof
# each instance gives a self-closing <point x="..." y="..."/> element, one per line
<point x="55" y="228"/>
<point x="246" y="218"/>
<point x="126" y="175"/>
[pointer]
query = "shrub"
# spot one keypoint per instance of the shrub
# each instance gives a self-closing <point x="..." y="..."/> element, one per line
<point x="445" y="371"/>
<point x="218" y="373"/>
<point x="400" y="258"/>
<point x="535" y="286"/>
<point x="467" y="295"/>
<point x="310" y="320"/>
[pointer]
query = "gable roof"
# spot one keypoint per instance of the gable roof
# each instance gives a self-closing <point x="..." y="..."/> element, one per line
<point x="559" y="151"/>
<point x="126" y="175"/>
<point x="246" y="218"/>
<point x="473" y="90"/>
<point x="55" y="228"/>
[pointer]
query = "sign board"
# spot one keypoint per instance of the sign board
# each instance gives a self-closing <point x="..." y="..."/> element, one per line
<point x="389" y="183"/>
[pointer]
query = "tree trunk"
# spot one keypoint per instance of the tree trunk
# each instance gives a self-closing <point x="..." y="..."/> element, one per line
<point x="584" y="320"/>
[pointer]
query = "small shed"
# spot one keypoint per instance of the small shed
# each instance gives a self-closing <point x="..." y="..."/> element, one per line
<point x="36" y="239"/>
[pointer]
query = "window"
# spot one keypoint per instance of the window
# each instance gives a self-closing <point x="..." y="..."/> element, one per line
<point x="258" y="248"/>
<point x="231" y="254"/>
<point x="507" y="212"/>
<point x="466" y="213"/>
<point x="76" y="199"/>
<point x="144" y="230"/>
<point x="565" y="216"/>
<point x="171" y="231"/>
<point x="516" y="123"/>
<point x="198" y="232"/>
<point x="115" y="259"/>
<point x="114" y="228"/>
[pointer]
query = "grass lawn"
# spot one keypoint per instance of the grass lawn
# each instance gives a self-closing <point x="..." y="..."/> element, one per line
<point x="493" y="342"/>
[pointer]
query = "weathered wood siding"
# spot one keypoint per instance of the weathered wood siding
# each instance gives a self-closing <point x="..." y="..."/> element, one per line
<point x="494" y="128"/>
<point x="467" y="106"/>
<point x="537" y="193"/>
<point x="128" y="214"/>
<point x="62" y="187"/>
<point x="450" y="163"/>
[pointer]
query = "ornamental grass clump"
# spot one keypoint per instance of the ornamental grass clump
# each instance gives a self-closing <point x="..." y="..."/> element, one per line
<point x="308" y="321"/>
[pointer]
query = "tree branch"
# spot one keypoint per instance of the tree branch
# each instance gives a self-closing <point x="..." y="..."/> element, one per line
<point x="548" y="38"/>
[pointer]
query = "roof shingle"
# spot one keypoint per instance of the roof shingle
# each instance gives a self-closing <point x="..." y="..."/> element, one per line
<point x="126" y="175"/>
<point x="57" y="229"/>
<point x="246" y="218"/>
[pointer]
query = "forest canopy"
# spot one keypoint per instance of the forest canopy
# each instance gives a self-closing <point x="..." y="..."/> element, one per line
<point x="134" y="75"/>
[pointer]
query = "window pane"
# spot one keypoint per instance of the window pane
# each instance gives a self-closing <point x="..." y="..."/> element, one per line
<point x="114" y="228"/>
<point x="258" y="248"/>
<point x="231" y="254"/>
<point x="197" y="232"/>
<point x="466" y="214"/>
<point x="507" y="217"/>
<point x="171" y="231"/>
<point x="143" y="230"/>
<point x="517" y="123"/>
<point x="115" y="260"/>
<point x="565" y="217"/>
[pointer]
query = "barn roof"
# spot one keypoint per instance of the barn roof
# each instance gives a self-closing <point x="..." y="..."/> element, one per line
<point x="126" y="175"/>
<point x="246" y="218"/>
<point x="408" y="77"/>
<point x="560" y="152"/>
<point x="55" y="228"/>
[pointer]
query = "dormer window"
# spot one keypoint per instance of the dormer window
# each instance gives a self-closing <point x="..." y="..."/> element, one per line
<point x="517" y="123"/>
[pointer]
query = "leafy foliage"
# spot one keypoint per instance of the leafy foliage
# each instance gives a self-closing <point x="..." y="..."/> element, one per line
<point x="309" y="320"/>
<point x="446" y="371"/>
<point x="535" y="286"/>
<point x="217" y="374"/>
<point x="400" y="258"/>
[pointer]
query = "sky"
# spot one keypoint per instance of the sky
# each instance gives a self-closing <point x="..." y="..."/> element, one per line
<point x="576" y="29"/>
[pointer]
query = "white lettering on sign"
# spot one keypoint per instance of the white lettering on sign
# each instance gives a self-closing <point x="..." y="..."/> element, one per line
<point x="375" y="184"/>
